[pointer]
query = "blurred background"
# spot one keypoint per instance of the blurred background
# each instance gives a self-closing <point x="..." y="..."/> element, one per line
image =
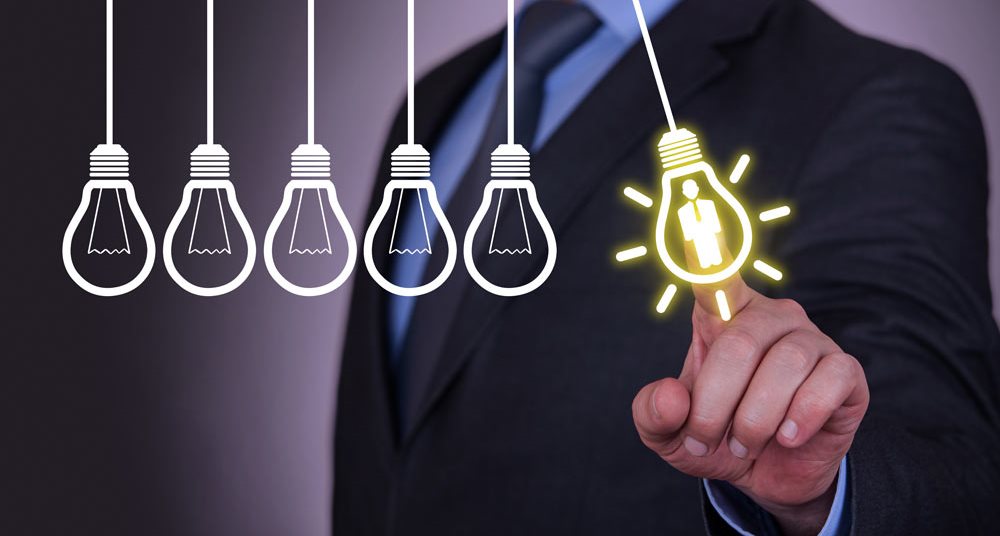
<point x="160" y="413"/>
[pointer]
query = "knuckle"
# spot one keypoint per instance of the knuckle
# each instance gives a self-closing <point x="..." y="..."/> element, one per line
<point x="843" y="365"/>
<point x="793" y="356"/>
<point x="737" y="343"/>
<point x="787" y="307"/>
<point x="755" y="315"/>
<point x="816" y="403"/>
<point x="703" y="424"/>
<point x="750" y="427"/>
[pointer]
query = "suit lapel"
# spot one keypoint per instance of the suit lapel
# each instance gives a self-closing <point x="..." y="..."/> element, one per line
<point x="437" y="96"/>
<point x="619" y="114"/>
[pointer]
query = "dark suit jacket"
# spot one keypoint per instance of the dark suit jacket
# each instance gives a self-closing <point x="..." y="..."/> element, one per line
<point x="526" y="426"/>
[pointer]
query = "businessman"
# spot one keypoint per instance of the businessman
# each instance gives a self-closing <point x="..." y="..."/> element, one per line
<point x="858" y="396"/>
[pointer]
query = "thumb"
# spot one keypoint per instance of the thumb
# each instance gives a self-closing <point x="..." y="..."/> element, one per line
<point x="726" y="298"/>
<point x="659" y="412"/>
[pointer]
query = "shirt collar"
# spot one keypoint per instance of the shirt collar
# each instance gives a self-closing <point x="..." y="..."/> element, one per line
<point x="619" y="15"/>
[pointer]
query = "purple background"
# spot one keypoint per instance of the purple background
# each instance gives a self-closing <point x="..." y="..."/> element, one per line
<point x="162" y="413"/>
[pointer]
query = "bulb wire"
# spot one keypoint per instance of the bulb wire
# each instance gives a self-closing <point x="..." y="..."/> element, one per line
<point x="409" y="71"/>
<point x="109" y="73"/>
<point x="655" y="65"/>
<point x="210" y="74"/>
<point x="311" y="134"/>
<point x="510" y="72"/>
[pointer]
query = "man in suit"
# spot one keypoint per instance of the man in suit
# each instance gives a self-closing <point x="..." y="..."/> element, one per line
<point x="858" y="395"/>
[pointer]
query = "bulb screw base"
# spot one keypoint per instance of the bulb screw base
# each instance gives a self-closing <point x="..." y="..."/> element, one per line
<point x="678" y="148"/>
<point x="510" y="160"/>
<point x="109" y="160"/>
<point x="209" y="160"/>
<point x="411" y="161"/>
<point x="311" y="160"/>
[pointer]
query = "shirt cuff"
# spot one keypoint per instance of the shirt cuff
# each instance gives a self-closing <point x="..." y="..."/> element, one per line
<point x="748" y="519"/>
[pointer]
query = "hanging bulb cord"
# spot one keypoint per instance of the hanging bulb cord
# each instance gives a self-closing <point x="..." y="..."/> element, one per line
<point x="210" y="75"/>
<point x="409" y="72"/>
<point x="109" y="73"/>
<point x="311" y="113"/>
<point x="510" y="72"/>
<point x="655" y="65"/>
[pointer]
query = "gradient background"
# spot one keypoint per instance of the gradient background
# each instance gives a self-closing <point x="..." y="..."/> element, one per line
<point x="160" y="413"/>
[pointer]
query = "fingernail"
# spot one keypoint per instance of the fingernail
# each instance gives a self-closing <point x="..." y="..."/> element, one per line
<point x="695" y="447"/>
<point x="737" y="448"/>
<point x="789" y="429"/>
<point x="652" y="402"/>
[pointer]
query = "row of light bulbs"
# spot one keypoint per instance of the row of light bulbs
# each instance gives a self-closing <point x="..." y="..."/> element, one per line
<point x="310" y="175"/>
<point x="311" y="172"/>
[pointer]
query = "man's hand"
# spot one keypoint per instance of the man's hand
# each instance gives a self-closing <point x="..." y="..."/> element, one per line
<point x="766" y="402"/>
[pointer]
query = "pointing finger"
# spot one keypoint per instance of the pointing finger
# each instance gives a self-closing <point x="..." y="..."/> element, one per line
<point x="726" y="298"/>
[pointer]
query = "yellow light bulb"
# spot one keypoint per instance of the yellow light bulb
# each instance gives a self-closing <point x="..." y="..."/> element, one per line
<point x="692" y="215"/>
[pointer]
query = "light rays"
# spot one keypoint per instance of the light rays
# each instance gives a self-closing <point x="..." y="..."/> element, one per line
<point x="740" y="169"/>
<point x="666" y="298"/>
<point x="775" y="213"/>
<point x="639" y="197"/>
<point x="720" y="299"/>
<point x="631" y="253"/>
<point x="767" y="270"/>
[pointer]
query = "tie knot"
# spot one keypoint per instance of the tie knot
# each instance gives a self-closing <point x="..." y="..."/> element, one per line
<point x="548" y="31"/>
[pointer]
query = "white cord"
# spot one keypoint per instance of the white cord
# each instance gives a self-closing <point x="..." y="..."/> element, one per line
<point x="110" y="86"/>
<point x="655" y="65"/>
<point x="312" y="72"/>
<point x="510" y="72"/>
<point x="409" y="70"/>
<point x="210" y="86"/>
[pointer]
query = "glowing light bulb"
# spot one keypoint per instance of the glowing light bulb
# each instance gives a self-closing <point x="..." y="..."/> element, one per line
<point x="108" y="234"/>
<point x="204" y="208"/>
<point x="692" y="216"/>
<point x="516" y="194"/>
<point x="699" y="225"/>
<point x="314" y="199"/>
<point x="411" y="163"/>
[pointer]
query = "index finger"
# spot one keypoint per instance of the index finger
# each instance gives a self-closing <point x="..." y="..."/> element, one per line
<point x="725" y="298"/>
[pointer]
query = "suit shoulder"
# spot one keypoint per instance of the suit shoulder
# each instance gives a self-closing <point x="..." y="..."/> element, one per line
<point x="820" y="44"/>
<point x="824" y="66"/>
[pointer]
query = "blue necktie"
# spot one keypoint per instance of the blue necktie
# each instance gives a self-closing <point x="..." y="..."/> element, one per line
<point x="547" y="32"/>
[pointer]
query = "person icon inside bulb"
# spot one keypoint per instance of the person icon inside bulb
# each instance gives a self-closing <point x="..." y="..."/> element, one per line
<point x="700" y="225"/>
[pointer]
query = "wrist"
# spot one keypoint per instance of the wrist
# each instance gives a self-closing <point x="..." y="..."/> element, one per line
<point x="804" y="519"/>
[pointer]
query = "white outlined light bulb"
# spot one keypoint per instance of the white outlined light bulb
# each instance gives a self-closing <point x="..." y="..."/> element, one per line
<point x="210" y="236"/>
<point x="510" y="170"/>
<point x="316" y="193"/>
<point x="109" y="178"/>
<point x="509" y="161"/>
<point x="109" y="173"/>
<point x="314" y="196"/>
<point x="208" y="185"/>
<point x="410" y="169"/>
